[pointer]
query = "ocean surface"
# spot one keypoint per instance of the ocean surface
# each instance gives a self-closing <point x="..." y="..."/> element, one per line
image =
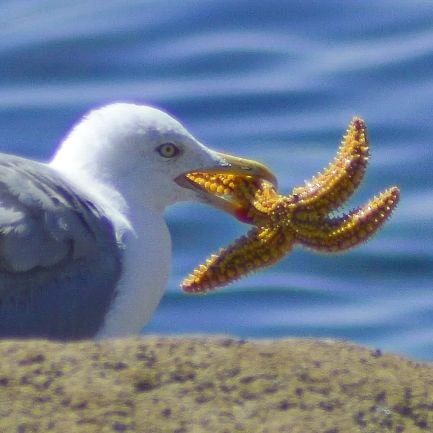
<point x="276" y="81"/>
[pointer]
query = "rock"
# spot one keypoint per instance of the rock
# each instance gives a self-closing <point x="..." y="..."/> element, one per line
<point x="210" y="384"/>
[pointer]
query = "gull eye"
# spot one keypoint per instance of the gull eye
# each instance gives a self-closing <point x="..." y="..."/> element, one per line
<point x="168" y="150"/>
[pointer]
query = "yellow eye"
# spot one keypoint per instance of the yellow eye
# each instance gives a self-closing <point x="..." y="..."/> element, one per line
<point x="168" y="150"/>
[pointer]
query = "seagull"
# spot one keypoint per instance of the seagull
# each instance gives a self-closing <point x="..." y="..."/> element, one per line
<point x="85" y="251"/>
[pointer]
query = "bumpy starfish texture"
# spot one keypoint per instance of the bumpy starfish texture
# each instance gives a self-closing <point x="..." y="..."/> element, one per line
<point x="302" y="217"/>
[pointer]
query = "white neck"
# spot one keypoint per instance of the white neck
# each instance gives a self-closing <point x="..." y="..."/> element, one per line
<point x="144" y="237"/>
<point x="144" y="277"/>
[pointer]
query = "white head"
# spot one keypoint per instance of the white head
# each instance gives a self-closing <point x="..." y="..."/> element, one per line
<point x="132" y="147"/>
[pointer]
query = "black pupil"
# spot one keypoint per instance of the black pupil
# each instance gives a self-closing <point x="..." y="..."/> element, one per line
<point x="167" y="150"/>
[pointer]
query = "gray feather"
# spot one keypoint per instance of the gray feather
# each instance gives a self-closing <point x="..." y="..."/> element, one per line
<point x="59" y="258"/>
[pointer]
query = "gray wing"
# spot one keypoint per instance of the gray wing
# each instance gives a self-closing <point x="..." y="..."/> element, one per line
<point x="59" y="258"/>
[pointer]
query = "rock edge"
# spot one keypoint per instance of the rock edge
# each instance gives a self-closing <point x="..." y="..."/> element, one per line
<point x="211" y="384"/>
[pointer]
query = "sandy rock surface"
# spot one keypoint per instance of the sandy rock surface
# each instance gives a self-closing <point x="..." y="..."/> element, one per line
<point x="210" y="384"/>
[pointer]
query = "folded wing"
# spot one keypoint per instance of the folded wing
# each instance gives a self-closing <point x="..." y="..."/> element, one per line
<point x="59" y="257"/>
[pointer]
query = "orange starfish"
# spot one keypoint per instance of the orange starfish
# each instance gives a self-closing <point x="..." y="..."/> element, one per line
<point x="301" y="217"/>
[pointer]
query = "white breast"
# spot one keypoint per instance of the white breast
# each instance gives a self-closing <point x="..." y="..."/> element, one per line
<point x="145" y="272"/>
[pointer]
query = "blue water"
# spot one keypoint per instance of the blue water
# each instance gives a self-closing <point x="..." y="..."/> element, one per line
<point x="276" y="81"/>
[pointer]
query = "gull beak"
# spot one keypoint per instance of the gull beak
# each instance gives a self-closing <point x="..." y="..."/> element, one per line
<point x="230" y="165"/>
<point x="246" y="167"/>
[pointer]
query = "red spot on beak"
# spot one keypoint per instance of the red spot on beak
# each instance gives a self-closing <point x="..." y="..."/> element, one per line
<point x="241" y="214"/>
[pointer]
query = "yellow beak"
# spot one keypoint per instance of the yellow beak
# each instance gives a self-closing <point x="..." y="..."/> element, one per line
<point x="228" y="164"/>
<point x="231" y="164"/>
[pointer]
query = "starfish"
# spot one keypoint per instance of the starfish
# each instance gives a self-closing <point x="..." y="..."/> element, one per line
<point x="305" y="216"/>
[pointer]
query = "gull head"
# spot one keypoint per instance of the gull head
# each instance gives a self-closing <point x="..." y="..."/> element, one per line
<point x="145" y="155"/>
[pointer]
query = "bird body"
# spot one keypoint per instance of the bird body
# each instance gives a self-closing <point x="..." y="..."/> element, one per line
<point x="84" y="248"/>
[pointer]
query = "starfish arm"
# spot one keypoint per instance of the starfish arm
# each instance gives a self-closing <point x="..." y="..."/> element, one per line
<point x="223" y="184"/>
<point x="259" y="248"/>
<point x="342" y="233"/>
<point x="254" y="198"/>
<point x="329" y="189"/>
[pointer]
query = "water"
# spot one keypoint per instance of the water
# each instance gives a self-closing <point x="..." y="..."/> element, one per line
<point x="277" y="81"/>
